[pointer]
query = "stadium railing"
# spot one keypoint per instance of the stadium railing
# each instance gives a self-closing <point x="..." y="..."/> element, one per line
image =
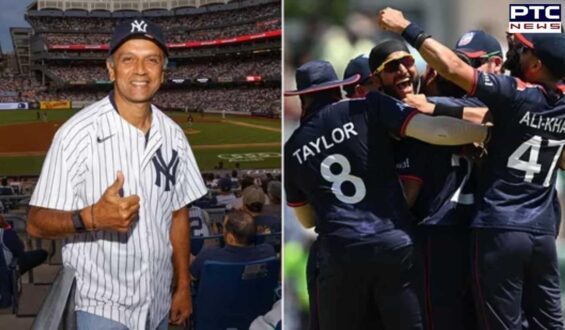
<point x="57" y="311"/>
<point x="216" y="214"/>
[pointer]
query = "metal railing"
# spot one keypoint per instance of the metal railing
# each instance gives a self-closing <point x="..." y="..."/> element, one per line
<point x="57" y="311"/>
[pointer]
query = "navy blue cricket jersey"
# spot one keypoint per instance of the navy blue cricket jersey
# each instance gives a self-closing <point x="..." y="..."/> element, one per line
<point x="517" y="180"/>
<point x="446" y="196"/>
<point x="340" y="161"/>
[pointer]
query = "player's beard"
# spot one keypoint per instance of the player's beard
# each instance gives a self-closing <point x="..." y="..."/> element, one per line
<point x="512" y="64"/>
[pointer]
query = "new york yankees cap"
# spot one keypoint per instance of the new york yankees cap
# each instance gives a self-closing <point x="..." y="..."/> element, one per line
<point x="138" y="28"/>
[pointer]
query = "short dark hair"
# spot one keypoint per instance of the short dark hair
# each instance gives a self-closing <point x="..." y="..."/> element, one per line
<point x="319" y="100"/>
<point x="241" y="225"/>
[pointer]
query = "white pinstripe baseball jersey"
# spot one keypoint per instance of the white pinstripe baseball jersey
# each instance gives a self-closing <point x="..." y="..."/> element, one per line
<point x="123" y="277"/>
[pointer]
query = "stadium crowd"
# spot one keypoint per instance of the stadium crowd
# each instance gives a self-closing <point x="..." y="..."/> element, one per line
<point x="243" y="99"/>
<point x="173" y="37"/>
<point x="231" y="67"/>
<point x="15" y="87"/>
<point x="170" y="24"/>
<point x="218" y="99"/>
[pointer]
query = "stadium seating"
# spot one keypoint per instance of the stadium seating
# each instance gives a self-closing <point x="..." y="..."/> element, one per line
<point x="271" y="239"/>
<point x="199" y="243"/>
<point x="231" y="295"/>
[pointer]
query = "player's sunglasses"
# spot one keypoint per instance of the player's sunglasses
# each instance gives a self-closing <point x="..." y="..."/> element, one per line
<point x="476" y="62"/>
<point x="392" y="65"/>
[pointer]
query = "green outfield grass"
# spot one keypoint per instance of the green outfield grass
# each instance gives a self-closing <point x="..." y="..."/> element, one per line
<point x="205" y="140"/>
<point x="9" y="117"/>
<point x="23" y="165"/>
<point x="223" y="133"/>
<point x="273" y="123"/>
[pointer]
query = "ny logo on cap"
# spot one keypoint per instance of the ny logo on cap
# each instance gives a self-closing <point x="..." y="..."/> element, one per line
<point x="138" y="26"/>
<point x="167" y="170"/>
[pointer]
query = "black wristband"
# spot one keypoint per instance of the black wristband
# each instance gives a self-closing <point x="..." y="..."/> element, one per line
<point x="77" y="222"/>
<point x="415" y="35"/>
<point x="449" y="111"/>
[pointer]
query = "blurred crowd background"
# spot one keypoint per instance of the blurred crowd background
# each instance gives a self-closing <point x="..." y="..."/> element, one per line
<point x="339" y="30"/>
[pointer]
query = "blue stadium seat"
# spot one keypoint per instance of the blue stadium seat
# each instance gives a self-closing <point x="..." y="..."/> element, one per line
<point x="199" y="243"/>
<point x="271" y="239"/>
<point x="269" y="222"/>
<point x="232" y="295"/>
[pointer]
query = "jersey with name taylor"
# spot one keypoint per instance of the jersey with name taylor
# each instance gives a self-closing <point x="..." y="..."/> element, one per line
<point x="340" y="161"/>
<point x="518" y="178"/>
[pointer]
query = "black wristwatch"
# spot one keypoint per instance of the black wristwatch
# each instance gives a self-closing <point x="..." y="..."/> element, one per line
<point x="78" y="223"/>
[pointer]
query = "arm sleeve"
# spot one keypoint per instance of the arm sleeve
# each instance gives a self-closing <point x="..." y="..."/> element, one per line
<point x="497" y="92"/>
<point x="453" y="101"/>
<point x="190" y="185"/>
<point x="445" y="130"/>
<point x="393" y="114"/>
<point x="57" y="184"/>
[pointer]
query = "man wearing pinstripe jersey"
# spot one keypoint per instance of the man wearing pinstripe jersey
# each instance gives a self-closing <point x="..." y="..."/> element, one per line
<point x="114" y="185"/>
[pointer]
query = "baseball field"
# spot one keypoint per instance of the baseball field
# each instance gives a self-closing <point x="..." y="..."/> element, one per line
<point x="251" y="142"/>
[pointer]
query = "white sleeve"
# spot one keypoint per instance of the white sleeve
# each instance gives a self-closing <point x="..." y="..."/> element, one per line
<point x="57" y="185"/>
<point x="443" y="130"/>
<point x="190" y="185"/>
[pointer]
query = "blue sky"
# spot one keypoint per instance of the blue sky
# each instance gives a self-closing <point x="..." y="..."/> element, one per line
<point x="11" y="15"/>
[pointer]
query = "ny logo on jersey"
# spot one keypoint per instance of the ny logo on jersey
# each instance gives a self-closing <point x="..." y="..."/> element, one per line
<point x="138" y="26"/>
<point x="167" y="170"/>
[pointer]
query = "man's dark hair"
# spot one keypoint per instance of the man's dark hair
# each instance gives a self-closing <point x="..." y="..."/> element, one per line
<point x="318" y="100"/>
<point x="241" y="225"/>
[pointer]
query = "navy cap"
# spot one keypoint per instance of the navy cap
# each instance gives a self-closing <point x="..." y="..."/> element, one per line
<point x="316" y="76"/>
<point x="478" y="43"/>
<point x="360" y="66"/>
<point x="548" y="47"/>
<point x="138" y="28"/>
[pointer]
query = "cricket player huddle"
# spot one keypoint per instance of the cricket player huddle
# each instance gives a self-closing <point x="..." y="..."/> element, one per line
<point x="433" y="195"/>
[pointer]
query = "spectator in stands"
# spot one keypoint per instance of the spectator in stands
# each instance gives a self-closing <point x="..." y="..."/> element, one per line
<point x="125" y="248"/>
<point x="199" y="222"/>
<point x="226" y="197"/>
<point x="274" y="206"/>
<point x="13" y="247"/>
<point x="253" y="199"/>
<point x="239" y="236"/>
<point x="234" y="179"/>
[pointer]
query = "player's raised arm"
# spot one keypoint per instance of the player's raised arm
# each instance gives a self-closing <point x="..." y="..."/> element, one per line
<point x="445" y="130"/>
<point x="475" y="115"/>
<point x="438" y="56"/>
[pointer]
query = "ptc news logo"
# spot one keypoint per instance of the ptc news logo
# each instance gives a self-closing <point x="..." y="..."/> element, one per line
<point x="535" y="18"/>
